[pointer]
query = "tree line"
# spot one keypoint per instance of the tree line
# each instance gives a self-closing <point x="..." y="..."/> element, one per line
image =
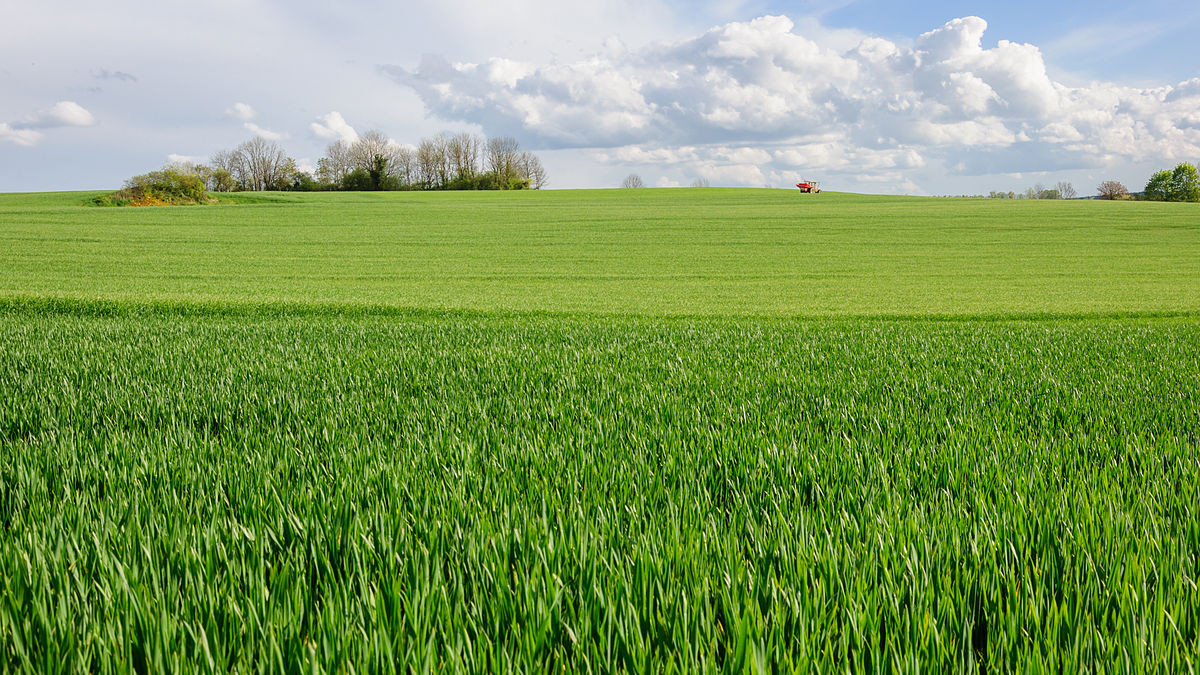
<point x="634" y="180"/>
<point x="375" y="162"/>
<point x="1061" y="190"/>
<point x="444" y="162"/>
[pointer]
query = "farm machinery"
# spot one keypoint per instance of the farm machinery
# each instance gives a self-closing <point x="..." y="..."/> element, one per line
<point x="809" y="186"/>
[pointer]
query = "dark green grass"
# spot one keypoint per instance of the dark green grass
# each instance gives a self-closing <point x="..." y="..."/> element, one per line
<point x="445" y="492"/>
<point x="714" y="252"/>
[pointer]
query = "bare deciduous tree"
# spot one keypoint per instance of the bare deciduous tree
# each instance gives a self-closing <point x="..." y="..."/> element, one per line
<point x="633" y="181"/>
<point x="265" y="163"/>
<point x="700" y="182"/>
<point x="229" y="161"/>
<point x="372" y="144"/>
<point x="1112" y="189"/>
<point x="336" y="163"/>
<point x="502" y="156"/>
<point x="462" y="153"/>
<point x="529" y="168"/>
<point x="257" y="164"/>
<point x="404" y="165"/>
<point x="431" y="161"/>
<point x="1065" y="190"/>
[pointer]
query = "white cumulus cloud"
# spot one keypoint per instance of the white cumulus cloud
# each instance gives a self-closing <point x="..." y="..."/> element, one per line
<point x="61" y="114"/>
<point x="245" y="113"/>
<point x="176" y="158"/>
<point x="263" y="131"/>
<point x="334" y="127"/>
<point x="748" y="101"/>
<point x="25" y="137"/>
<point x="28" y="131"/>
<point x="241" y="111"/>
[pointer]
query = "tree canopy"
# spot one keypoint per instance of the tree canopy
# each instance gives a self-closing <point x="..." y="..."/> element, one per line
<point x="1179" y="185"/>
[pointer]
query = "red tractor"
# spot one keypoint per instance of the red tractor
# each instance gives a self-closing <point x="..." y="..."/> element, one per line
<point x="809" y="186"/>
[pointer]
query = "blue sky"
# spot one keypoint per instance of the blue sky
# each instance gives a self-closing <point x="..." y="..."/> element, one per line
<point x="920" y="98"/>
<point x="1148" y="41"/>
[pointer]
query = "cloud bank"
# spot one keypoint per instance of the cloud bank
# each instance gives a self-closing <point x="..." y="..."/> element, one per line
<point x="755" y="102"/>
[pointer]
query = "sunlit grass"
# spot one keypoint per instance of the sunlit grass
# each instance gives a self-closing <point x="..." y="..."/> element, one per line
<point x="714" y="252"/>
<point x="546" y="493"/>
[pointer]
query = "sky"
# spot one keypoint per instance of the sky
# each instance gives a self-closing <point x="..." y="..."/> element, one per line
<point x="865" y="96"/>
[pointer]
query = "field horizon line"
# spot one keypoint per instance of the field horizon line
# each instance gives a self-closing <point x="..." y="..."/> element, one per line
<point x="41" y="305"/>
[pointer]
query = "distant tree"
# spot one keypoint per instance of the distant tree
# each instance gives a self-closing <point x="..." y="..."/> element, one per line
<point x="502" y="156"/>
<point x="378" y="170"/>
<point x="462" y="153"/>
<point x="371" y="143"/>
<point x="1042" y="192"/>
<point x="303" y="181"/>
<point x="700" y="182"/>
<point x="285" y="176"/>
<point x="1065" y="190"/>
<point x="1029" y="193"/>
<point x="633" y="181"/>
<point x="1185" y="183"/>
<point x="1112" y="189"/>
<point x="257" y="164"/>
<point x="1158" y="188"/>
<point x="382" y="176"/>
<point x="213" y="178"/>
<point x="432" y="164"/>
<point x="228" y="163"/>
<point x="357" y="180"/>
<point x="336" y="163"/>
<point x="530" y="169"/>
<point x="403" y="165"/>
<point x="220" y="180"/>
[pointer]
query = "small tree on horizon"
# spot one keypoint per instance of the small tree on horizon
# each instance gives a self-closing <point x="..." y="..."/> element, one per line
<point x="1185" y="183"/>
<point x="1112" y="189"/>
<point x="633" y="181"/>
<point x="1158" y="188"/>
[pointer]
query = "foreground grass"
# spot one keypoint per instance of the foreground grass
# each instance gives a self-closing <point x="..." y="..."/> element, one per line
<point x="715" y="252"/>
<point x="252" y="492"/>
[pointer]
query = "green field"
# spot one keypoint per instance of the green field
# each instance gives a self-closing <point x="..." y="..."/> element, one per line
<point x="717" y="252"/>
<point x="642" y="430"/>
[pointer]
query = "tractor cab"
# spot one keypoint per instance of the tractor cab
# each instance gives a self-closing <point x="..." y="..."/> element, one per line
<point x="809" y="186"/>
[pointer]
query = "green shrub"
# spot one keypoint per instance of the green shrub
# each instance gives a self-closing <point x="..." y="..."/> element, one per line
<point x="358" y="180"/>
<point x="166" y="187"/>
<point x="303" y="181"/>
